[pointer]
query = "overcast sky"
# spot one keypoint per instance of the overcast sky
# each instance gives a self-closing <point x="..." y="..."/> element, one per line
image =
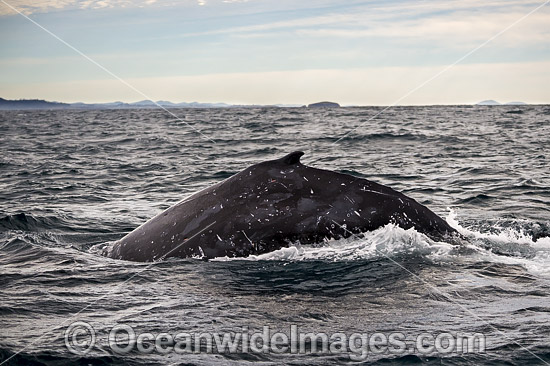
<point x="276" y="51"/>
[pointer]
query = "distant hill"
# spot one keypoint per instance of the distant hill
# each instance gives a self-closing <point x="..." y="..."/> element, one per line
<point x="31" y="104"/>
<point x="488" y="102"/>
<point x="494" y="102"/>
<point x="42" y="104"/>
<point x="324" y="105"/>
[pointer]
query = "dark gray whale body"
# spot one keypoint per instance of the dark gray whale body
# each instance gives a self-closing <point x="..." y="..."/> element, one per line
<point x="270" y="205"/>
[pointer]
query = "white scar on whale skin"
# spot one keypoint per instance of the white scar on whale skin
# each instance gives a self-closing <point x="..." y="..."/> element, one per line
<point x="251" y="243"/>
<point x="375" y="192"/>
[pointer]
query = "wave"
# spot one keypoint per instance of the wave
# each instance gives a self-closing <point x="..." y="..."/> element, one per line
<point x="514" y="111"/>
<point x="290" y="119"/>
<point x="377" y="136"/>
<point x="55" y="358"/>
<point x="26" y="222"/>
<point x="510" y="243"/>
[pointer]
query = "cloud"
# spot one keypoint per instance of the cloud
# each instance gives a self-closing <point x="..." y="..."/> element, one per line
<point x="28" y="7"/>
<point x="458" y="27"/>
<point x="463" y="23"/>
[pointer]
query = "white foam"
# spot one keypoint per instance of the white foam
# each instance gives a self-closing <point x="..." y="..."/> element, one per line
<point x="504" y="234"/>
<point x="387" y="241"/>
<point x="537" y="263"/>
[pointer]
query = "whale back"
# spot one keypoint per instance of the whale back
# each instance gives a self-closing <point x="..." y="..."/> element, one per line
<point x="269" y="205"/>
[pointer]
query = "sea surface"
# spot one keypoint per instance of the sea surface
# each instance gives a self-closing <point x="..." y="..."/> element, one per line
<point x="73" y="182"/>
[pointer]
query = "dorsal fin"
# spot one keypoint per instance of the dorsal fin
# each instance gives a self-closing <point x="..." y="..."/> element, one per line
<point x="292" y="158"/>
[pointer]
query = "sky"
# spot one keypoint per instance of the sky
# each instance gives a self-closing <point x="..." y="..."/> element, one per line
<point x="276" y="51"/>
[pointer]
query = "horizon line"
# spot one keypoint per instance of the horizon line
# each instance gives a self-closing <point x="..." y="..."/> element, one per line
<point x="166" y="103"/>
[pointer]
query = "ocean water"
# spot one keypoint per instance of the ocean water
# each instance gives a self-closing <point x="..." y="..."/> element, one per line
<point x="72" y="182"/>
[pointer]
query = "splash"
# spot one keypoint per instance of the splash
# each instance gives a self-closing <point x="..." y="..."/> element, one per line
<point x="508" y="243"/>
<point x="385" y="242"/>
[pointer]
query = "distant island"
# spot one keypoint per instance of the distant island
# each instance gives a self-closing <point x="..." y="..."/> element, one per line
<point x="324" y="105"/>
<point x="494" y="102"/>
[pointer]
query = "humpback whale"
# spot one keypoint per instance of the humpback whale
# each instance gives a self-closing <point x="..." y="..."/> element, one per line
<point x="270" y="205"/>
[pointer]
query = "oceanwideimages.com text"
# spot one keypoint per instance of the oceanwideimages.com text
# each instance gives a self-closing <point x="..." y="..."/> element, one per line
<point x="80" y="338"/>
